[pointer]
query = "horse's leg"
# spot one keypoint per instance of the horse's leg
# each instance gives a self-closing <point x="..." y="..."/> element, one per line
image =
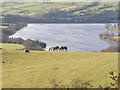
<point x="49" y="49"/>
<point x="55" y="49"/>
<point x="66" y="49"/>
<point x="59" y="50"/>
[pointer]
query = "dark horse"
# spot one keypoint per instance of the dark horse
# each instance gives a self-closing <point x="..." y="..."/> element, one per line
<point x="54" y="48"/>
<point x="26" y="50"/>
<point x="63" y="48"/>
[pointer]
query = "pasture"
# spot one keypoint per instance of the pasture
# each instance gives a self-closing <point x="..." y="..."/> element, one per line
<point x="7" y="46"/>
<point x="3" y="27"/>
<point x="38" y="68"/>
<point x="35" y="9"/>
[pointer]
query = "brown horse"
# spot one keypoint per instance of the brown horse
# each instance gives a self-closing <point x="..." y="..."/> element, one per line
<point x="63" y="48"/>
<point x="54" y="48"/>
<point x="51" y="48"/>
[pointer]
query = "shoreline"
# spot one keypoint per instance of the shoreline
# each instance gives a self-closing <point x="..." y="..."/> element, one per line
<point x="29" y="44"/>
<point x="108" y="40"/>
<point x="39" y="43"/>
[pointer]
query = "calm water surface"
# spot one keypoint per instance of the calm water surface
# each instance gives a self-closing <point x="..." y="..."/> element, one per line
<point x="78" y="37"/>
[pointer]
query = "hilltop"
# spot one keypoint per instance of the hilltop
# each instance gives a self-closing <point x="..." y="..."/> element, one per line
<point x="60" y="12"/>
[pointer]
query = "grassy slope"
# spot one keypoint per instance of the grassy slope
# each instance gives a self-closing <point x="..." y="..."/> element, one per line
<point x="7" y="46"/>
<point x="3" y="26"/>
<point x="32" y="9"/>
<point x="37" y="68"/>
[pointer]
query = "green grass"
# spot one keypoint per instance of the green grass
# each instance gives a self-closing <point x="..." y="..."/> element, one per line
<point x="37" y="68"/>
<point x="33" y="9"/>
<point x="95" y="9"/>
<point x="116" y="37"/>
<point x="7" y="46"/>
<point x="3" y="26"/>
<point x="6" y="25"/>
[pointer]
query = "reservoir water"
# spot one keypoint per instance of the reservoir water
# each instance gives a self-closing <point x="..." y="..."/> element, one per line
<point x="77" y="37"/>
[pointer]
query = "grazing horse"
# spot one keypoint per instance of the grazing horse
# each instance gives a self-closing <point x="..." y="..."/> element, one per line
<point x="63" y="48"/>
<point x="26" y="50"/>
<point x="54" y="48"/>
<point x="51" y="48"/>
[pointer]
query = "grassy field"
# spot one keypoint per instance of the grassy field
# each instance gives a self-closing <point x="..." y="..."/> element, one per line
<point x="116" y="37"/>
<point x="33" y="9"/>
<point x="30" y="9"/>
<point x="3" y="26"/>
<point x="6" y="25"/>
<point x="39" y="68"/>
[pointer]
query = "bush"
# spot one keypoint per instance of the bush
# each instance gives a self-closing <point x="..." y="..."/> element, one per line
<point x="34" y="45"/>
<point x="76" y="83"/>
<point x="116" y="81"/>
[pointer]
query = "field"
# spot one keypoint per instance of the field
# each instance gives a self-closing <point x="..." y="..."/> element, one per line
<point x="30" y="9"/>
<point x="116" y="37"/>
<point x="35" y="9"/>
<point x="39" y="68"/>
<point x="37" y="12"/>
<point x="3" y="27"/>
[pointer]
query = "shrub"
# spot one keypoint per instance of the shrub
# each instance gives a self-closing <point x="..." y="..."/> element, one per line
<point x="76" y="83"/>
<point x="116" y="81"/>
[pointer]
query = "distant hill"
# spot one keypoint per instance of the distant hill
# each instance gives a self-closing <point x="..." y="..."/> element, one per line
<point x="63" y="12"/>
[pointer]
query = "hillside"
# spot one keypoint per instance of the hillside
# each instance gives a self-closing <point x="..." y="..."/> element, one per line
<point x="62" y="12"/>
<point x="38" y="68"/>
